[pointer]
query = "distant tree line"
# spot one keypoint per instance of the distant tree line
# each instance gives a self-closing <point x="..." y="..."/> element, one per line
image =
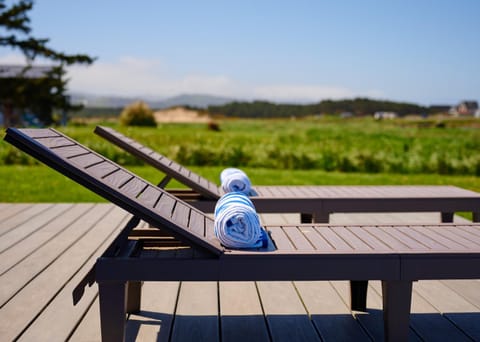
<point x="97" y="112"/>
<point x="358" y="106"/>
<point x="41" y="94"/>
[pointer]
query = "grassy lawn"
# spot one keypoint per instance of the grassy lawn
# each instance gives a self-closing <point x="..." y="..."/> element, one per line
<point x="42" y="184"/>
<point x="350" y="146"/>
<point x="313" y="151"/>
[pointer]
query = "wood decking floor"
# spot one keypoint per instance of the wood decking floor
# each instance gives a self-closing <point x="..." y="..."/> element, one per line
<point x="47" y="248"/>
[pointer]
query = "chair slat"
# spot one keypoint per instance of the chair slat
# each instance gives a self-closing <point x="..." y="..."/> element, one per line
<point x="36" y="133"/>
<point x="101" y="170"/>
<point x="133" y="187"/>
<point x="86" y="160"/>
<point x="117" y="178"/>
<point x="165" y="205"/>
<point x="315" y="238"/>
<point x="56" y="142"/>
<point x="70" y="151"/>
<point x="197" y="223"/>
<point x="150" y="196"/>
<point x="181" y="214"/>
<point x="297" y="237"/>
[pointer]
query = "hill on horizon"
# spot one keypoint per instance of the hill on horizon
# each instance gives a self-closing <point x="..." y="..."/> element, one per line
<point x="190" y="100"/>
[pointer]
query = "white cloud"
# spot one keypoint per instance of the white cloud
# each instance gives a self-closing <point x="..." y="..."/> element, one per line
<point x="133" y="76"/>
<point x="12" y="58"/>
<point x="301" y="92"/>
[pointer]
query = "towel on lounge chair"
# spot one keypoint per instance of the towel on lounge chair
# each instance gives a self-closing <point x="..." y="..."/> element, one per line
<point x="236" y="222"/>
<point x="233" y="179"/>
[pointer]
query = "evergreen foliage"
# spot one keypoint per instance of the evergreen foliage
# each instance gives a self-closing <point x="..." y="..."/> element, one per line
<point x="137" y="114"/>
<point x="358" y="106"/>
<point x="40" y="95"/>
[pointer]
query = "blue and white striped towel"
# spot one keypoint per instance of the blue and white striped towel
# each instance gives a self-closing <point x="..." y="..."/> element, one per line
<point x="236" y="222"/>
<point x="235" y="180"/>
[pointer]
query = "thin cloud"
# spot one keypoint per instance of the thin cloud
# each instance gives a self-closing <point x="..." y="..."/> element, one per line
<point x="301" y="93"/>
<point x="133" y="76"/>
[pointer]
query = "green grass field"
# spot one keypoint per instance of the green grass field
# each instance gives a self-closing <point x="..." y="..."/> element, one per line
<point x="328" y="144"/>
<point x="42" y="184"/>
<point x="309" y="151"/>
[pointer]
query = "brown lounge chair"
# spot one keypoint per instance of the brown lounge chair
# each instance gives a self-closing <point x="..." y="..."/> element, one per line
<point x="313" y="202"/>
<point x="396" y="255"/>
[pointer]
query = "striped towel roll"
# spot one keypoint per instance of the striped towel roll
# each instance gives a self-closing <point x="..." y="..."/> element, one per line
<point x="235" y="180"/>
<point x="236" y="222"/>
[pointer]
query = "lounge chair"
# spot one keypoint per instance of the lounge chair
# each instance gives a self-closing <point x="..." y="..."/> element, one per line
<point x="313" y="202"/>
<point x="396" y="255"/>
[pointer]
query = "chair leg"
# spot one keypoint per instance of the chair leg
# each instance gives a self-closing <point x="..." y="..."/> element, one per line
<point x="317" y="217"/>
<point x="306" y="218"/>
<point x="112" y="297"/>
<point x="358" y="295"/>
<point x="447" y="217"/>
<point x="321" y="217"/>
<point x="397" y="297"/>
<point x="476" y="216"/>
<point x="134" y="296"/>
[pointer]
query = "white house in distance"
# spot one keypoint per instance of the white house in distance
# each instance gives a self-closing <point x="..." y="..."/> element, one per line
<point x="465" y="108"/>
<point x="384" y="115"/>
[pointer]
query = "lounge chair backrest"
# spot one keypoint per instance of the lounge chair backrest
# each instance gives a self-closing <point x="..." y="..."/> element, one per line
<point x="171" y="168"/>
<point x="116" y="184"/>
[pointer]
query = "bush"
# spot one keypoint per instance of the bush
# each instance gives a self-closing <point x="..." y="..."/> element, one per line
<point x="137" y="114"/>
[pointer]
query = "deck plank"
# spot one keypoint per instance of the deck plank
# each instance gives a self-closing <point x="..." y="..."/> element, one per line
<point x="42" y="328"/>
<point x="36" y="239"/>
<point x="8" y="211"/>
<point x="154" y="321"/>
<point x="329" y="313"/>
<point x="21" y="310"/>
<point x="241" y="313"/>
<point x="285" y="314"/>
<point x="426" y="320"/>
<point x="453" y="306"/>
<point x="211" y="311"/>
<point x="33" y="264"/>
<point x="196" y="316"/>
<point x="22" y="216"/>
<point x="372" y="320"/>
<point x="88" y="329"/>
<point x="23" y="231"/>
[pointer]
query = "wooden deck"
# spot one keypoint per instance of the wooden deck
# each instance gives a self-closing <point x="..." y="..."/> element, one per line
<point x="47" y="248"/>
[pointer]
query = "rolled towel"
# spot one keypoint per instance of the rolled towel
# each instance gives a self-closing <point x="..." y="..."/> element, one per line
<point x="235" y="180"/>
<point x="236" y="222"/>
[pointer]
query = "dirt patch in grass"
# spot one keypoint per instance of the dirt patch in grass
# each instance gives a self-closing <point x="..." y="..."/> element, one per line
<point x="180" y="114"/>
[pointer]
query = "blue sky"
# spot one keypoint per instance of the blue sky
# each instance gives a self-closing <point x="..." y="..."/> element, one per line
<point x="422" y="51"/>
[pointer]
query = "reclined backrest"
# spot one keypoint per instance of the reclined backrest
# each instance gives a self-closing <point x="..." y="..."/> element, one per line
<point x="116" y="184"/>
<point x="168" y="166"/>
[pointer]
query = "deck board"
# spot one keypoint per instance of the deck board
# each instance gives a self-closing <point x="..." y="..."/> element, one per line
<point x="155" y="320"/>
<point x="20" y="246"/>
<point x="242" y="317"/>
<point x="329" y="312"/>
<point x="196" y="315"/>
<point x="285" y="313"/>
<point x="49" y="247"/>
<point x="20" y="311"/>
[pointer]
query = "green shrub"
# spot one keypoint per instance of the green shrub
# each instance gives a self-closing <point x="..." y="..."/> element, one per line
<point x="137" y="114"/>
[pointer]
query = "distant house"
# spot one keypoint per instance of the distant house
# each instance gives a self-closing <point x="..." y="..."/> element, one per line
<point x="346" y="115"/>
<point x="465" y="108"/>
<point x="385" y="115"/>
<point x="15" y="106"/>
